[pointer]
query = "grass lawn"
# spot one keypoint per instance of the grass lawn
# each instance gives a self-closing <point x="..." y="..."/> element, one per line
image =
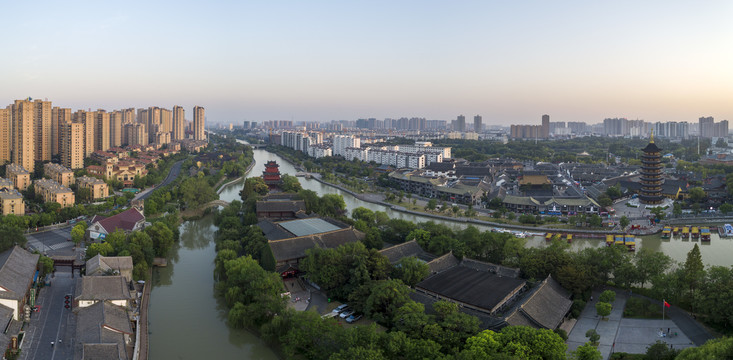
<point x="638" y="308"/>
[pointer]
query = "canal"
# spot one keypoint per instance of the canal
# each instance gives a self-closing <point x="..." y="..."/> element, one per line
<point x="188" y="322"/>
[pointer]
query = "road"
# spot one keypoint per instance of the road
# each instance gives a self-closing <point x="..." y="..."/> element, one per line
<point x="53" y="323"/>
<point x="172" y="175"/>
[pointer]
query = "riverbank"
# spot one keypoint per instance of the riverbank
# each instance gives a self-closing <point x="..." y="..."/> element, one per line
<point x="220" y="187"/>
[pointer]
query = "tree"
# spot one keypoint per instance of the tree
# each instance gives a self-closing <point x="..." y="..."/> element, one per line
<point x="95" y="249"/>
<point x="661" y="351"/>
<point x="520" y="342"/>
<point x="608" y="296"/>
<point x="411" y="270"/>
<point x="603" y="309"/>
<point x="595" y="221"/>
<point x="290" y="184"/>
<point x="677" y="209"/>
<point x="45" y="264"/>
<point x="431" y="205"/>
<point x="721" y="143"/>
<point x="586" y="352"/>
<point x="721" y="348"/>
<point x="696" y="194"/>
<point x="10" y="236"/>
<point x="362" y="213"/>
<point x="624" y="222"/>
<point x="604" y="200"/>
<point x="592" y="336"/>
<point x="84" y="194"/>
<point x="196" y="191"/>
<point x="253" y="186"/>
<point x="77" y="234"/>
<point x="385" y="298"/>
<point x="162" y="237"/>
<point x="694" y="270"/>
<point x="614" y="192"/>
<point x="726" y="208"/>
<point x="650" y="263"/>
<point x="658" y="212"/>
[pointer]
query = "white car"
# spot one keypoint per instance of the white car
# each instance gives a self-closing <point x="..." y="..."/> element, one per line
<point x="347" y="313"/>
<point x="340" y="308"/>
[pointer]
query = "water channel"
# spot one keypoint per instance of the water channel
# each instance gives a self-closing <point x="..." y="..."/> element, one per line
<point x="188" y="322"/>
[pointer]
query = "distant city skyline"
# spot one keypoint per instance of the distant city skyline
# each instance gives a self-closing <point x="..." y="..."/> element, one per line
<point x="322" y="61"/>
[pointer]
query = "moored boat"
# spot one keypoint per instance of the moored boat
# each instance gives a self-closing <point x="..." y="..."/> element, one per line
<point x="685" y="232"/>
<point x="728" y="230"/>
<point x="570" y="238"/>
<point x="609" y="240"/>
<point x="676" y="231"/>
<point x="548" y="237"/>
<point x="705" y="234"/>
<point x="666" y="232"/>
<point x="695" y="232"/>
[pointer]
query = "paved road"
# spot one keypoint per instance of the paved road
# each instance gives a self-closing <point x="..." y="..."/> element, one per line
<point x="172" y="175"/>
<point x="51" y="241"/>
<point x="52" y="323"/>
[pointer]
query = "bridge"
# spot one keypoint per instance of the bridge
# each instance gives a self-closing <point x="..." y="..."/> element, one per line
<point x="215" y="203"/>
<point x="258" y="146"/>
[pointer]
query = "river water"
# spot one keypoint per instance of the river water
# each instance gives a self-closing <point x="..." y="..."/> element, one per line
<point x="188" y="322"/>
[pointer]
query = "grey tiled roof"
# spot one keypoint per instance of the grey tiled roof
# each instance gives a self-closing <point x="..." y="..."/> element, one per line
<point x="443" y="263"/>
<point x="17" y="268"/>
<point x="411" y="248"/>
<point x="105" y="263"/>
<point x="102" y="324"/>
<point x="545" y="307"/>
<point x="102" y="288"/>
<point x="294" y="248"/>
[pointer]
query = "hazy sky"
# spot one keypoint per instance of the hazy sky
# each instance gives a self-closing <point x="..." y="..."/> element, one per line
<point x="510" y="61"/>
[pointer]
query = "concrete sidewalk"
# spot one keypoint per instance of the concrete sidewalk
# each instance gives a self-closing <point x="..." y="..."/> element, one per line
<point x="623" y="335"/>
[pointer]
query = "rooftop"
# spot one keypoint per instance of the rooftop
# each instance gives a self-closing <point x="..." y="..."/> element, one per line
<point x="474" y="287"/>
<point x="303" y="227"/>
<point x="102" y="288"/>
<point x="17" y="268"/>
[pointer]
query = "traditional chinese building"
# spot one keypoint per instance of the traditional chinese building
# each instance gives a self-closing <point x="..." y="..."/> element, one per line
<point x="651" y="174"/>
<point x="271" y="175"/>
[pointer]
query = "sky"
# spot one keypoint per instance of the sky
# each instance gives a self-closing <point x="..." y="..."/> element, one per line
<point x="509" y="61"/>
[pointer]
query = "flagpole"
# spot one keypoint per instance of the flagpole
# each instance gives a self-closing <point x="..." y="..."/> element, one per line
<point x="663" y="302"/>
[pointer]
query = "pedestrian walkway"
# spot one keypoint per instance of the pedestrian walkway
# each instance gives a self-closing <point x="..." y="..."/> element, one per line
<point x="624" y="335"/>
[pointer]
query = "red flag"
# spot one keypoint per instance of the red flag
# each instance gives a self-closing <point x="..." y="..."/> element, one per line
<point x="666" y="303"/>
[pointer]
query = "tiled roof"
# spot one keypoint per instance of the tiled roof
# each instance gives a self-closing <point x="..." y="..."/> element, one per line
<point x="281" y="206"/>
<point x="102" y="288"/>
<point x="294" y="248"/>
<point x="100" y="330"/>
<point x="125" y="220"/>
<point x="17" y="268"/>
<point x="107" y="263"/>
<point x="411" y="248"/>
<point x="544" y="308"/>
<point x="443" y="263"/>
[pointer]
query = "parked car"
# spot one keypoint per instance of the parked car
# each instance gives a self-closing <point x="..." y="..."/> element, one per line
<point x="340" y="308"/>
<point x="353" y="318"/>
<point x="347" y="313"/>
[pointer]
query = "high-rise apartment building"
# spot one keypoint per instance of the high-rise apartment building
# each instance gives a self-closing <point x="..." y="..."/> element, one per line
<point x="102" y="131"/>
<point x="545" y="126"/>
<point x="115" y="129"/>
<point x="461" y="123"/>
<point x="179" y="121"/>
<point x="5" y="135"/>
<point x="166" y="120"/>
<point x="23" y="134"/>
<point x="199" y="116"/>
<point x="59" y="116"/>
<point x="477" y="123"/>
<point x="89" y="121"/>
<point x="42" y="124"/>
<point x="72" y="145"/>
<point x="135" y="134"/>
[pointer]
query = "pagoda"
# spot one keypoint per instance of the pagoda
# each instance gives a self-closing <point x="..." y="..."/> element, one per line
<point x="271" y="175"/>
<point x="651" y="174"/>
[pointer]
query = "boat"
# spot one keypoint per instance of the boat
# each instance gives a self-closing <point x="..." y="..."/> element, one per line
<point x="609" y="240"/>
<point x="695" y="232"/>
<point x="570" y="238"/>
<point x="676" y="231"/>
<point x="728" y="230"/>
<point x="666" y="232"/>
<point x="705" y="234"/>
<point x="628" y="241"/>
<point x="685" y="232"/>
<point x="548" y="237"/>
<point x="519" y="234"/>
